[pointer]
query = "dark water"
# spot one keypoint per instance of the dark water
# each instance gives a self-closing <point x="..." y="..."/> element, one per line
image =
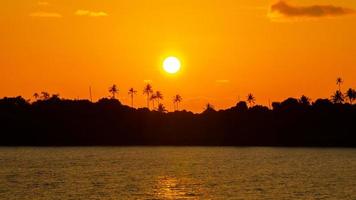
<point x="177" y="173"/>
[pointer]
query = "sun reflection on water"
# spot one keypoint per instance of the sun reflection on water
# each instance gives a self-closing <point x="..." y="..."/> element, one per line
<point x="174" y="188"/>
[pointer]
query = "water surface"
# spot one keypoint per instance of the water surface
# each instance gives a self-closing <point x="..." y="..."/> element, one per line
<point x="177" y="173"/>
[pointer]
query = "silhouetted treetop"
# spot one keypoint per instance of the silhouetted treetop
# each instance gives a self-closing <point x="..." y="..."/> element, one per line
<point x="304" y="100"/>
<point x="113" y="90"/>
<point x="337" y="97"/>
<point x="241" y="106"/>
<point x="351" y="95"/>
<point x="209" y="108"/>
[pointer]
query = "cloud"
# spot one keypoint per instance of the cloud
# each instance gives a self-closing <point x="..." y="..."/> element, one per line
<point x="91" y="13"/>
<point x="43" y="3"/>
<point x="283" y="9"/>
<point x="46" y="14"/>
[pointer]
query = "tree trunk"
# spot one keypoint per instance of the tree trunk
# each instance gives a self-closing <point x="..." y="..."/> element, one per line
<point x="132" y="101"/>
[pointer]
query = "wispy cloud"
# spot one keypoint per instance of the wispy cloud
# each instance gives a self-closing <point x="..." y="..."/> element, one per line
<point x="282" y="9"/>
<point x="147" y="81"/>
<point x="91" y="13"/>
<point x="46" y="14"/>
<point x="43" y="3"/>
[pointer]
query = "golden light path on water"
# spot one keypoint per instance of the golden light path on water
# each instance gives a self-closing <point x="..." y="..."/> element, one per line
<point x="164" y="173"/>
<point x="175" y="188"/>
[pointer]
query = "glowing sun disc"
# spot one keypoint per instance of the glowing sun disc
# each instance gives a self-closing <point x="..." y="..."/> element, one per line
<point x="171" y="65"/>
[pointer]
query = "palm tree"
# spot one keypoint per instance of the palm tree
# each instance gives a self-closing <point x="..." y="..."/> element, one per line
<point x="176" y="100"/>
<point x="147" y="90"/>
<point x="351" y="95"/>
<point x="304" y="100"/>
<point x="251" y="99"/>
<point x="338" y="97"/>
<point x="161" y="108"/>
<point x="153" y="98"/>
<point x="159" y="96"/>
<point x="132" y="93"/>
<point x="339" y="81"/>
<point x="36" y="95"/>
<point x="45" y="95"/>
<point x="113" y="90"/>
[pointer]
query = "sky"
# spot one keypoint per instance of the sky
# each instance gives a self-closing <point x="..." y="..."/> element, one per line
<point x="228" y="48"/>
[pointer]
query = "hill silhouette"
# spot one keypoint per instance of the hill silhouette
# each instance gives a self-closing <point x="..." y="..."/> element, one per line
<point x="61" y="122"/>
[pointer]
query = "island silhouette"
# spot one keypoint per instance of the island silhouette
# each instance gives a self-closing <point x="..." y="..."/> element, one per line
<point x="53" y="121"/>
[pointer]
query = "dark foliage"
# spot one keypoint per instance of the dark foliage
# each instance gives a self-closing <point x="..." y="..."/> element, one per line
<point x="54" y="121"/>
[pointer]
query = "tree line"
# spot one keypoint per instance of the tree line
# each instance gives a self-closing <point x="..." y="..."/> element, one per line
<point x="157" y="96"/>
<point x="152" y="96"/>
<point x="54" y="121"/>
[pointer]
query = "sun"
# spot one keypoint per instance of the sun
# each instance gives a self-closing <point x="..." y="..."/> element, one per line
<point x="171" y="65"/>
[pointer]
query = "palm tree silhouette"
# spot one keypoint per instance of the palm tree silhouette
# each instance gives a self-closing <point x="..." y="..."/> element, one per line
<point x="113" y="90"/>
<point x="339" y="81"/>
<point x="251" y="99"/>
<point x="132" y="93"/>
<point x="304" y="100"/>
<point x="338" y="97"/>
<point x="147" y="90"/>
<point x="176" y="100"/>
<point x="153" y="98"/>
<point x="36" y="95"/>
<point x="161" y="108"/>
<point x="159" y="96"/>
<point x="45" y="95"/>
<point x="351" y="95"/>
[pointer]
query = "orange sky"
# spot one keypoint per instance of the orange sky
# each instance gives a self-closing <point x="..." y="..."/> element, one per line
<point x="228" y="48"/>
